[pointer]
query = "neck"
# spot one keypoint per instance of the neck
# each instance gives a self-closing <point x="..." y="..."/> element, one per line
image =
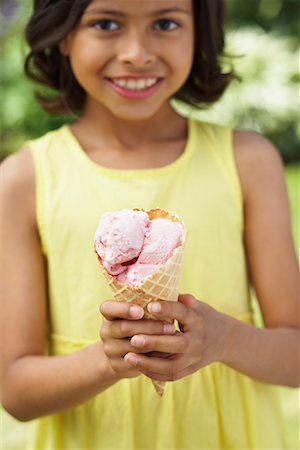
<point x="101" y="126"/>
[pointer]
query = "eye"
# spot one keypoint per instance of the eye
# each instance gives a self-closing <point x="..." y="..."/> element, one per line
<point x="166" y="25"/>
<point x="106" y="25"/>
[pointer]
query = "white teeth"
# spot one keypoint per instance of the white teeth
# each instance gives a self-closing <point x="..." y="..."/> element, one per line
<point x="150" y="82"/>
<point x="141" y="84"/>
<point x="135" y="85"/>
<point x="121" y="83"/>
<point x="131" y="84"/>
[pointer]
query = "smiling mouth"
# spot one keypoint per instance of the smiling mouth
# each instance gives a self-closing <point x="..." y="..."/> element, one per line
<point x="133" y="84"/>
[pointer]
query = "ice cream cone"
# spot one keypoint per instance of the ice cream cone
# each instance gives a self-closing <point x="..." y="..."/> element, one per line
<point x="161" y="285"/>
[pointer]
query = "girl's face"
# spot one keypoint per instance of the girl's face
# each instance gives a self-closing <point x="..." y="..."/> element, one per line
<point x="131" y="56"/>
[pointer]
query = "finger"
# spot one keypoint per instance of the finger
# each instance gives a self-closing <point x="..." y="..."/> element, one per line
<point x="156" y="354"/>
<point x="187" y="299"/>
<point x="169" y="311"/>
<point x="168" y="367"/>
<point x="127" y="328"/>
<point x="166" y="344"/>
<point x="112" y="309"/>
<point x="171" y="369"/>
<point x="117" y="347"/>
<point x="183" y="372"/>
<point x="124" y="369"/>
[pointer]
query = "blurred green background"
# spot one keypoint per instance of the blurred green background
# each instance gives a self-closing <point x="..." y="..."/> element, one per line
<point x="262" y="36"/>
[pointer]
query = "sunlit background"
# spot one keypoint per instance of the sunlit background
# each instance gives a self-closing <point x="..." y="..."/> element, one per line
<point x="263" y="40"/>
<point x="262" y="37"/>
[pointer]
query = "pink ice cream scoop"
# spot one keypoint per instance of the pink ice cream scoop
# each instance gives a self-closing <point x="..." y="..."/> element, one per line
<point x="132" y="247"/>
<point x="161" y="239"/>
<point x="119" y="238"/>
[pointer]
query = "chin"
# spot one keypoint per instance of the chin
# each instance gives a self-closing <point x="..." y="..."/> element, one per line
<point x="137" y="114"/>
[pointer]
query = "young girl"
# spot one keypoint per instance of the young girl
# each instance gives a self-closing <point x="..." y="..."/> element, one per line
<point x="116" y="64"/>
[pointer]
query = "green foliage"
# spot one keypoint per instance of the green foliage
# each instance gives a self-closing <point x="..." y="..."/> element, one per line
<point x="281" y="16"/>
<point x="21" y="117"/>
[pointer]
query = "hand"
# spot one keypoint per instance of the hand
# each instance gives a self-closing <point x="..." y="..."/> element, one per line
<point x="199" y="342"/>
<point x="121" y="321"/>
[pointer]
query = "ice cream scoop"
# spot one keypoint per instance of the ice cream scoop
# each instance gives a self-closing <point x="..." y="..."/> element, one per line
<point x="132" y="247"/>
<point x="161" y="239"/>
<point x="119" y="238"/>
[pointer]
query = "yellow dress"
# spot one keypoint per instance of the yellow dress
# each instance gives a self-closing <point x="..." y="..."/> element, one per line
<point x="216" y="407"/>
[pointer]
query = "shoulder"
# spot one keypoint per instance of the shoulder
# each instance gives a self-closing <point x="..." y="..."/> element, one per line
<point x="17" y="170"/>
<point x="18" y="184"/>
<point x="253" y="147"/>
<point x="258" y="162"/>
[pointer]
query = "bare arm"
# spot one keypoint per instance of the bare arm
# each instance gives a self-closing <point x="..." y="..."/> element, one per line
<point x="271" y="354"/>
<point x="32" y="384"/>
<point x="272" y="264"/>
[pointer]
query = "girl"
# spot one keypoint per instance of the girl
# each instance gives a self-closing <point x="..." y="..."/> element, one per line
<point x="116" y="64"/>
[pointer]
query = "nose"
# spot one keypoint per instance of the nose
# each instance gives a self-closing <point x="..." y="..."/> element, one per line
<point x="135" y="51"/>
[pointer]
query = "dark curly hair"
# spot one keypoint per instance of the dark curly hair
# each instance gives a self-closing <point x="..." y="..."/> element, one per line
<point x="51" y="22"/>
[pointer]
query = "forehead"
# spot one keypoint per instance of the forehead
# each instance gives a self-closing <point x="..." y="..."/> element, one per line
<point x="139" y="6"/>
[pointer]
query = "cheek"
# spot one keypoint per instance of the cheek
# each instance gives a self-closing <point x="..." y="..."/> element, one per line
<point x="188" y="51"/>
<point x="181" y="53"/>
<point x="86" y="54"/>
<point x="182" y="61"/>
<point x="85" y="66"/>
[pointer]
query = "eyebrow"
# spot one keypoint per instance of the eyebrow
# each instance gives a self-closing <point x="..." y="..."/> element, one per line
<point x="112" y="12"/>
<point x="109" y="12"/>
<point x="171" y="10"/>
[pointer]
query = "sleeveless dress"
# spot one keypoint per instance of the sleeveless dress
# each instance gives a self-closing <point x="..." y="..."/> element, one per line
<point x="214" y="408"/>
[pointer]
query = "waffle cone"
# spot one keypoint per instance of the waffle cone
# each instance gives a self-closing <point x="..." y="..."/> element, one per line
<point x="161" y="285"/>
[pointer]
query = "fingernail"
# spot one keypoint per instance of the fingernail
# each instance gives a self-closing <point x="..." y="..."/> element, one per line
<point x="131" y="359"/>
<point x="135" y="311"/>
<point x="154" y="307"/>
<point x="137" y="341"/>
<point x="169" y="328"/>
